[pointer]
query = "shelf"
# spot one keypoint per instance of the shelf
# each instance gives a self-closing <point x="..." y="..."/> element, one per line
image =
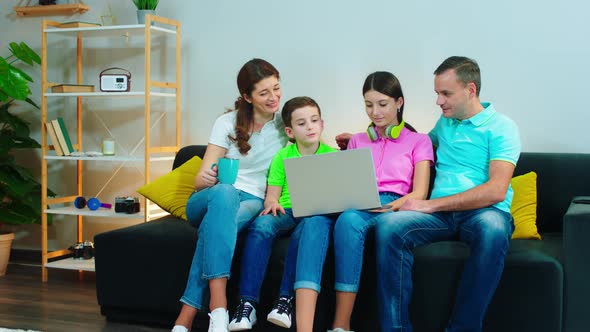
<point x="109" y="31"/>
<point x="109" y="94"/>
<point x="110" y="158"/>
<point x="72" y="264"/>
<point x="107" y="213"/>
<point x="49" y="10"/>
<point x="151" y="39"/>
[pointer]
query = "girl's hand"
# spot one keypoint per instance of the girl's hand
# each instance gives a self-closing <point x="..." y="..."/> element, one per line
<point x="342" y="140"/>
<point x="420" y="205"/>
<point x="385" y="208"/>
<point x="392" y="206"/>
<point x="272" y="207"/>
<point x="209" y="176"/>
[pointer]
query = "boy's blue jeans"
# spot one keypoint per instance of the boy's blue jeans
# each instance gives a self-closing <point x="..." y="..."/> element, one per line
<point x="260" y="237"/>
<point x="258" y="248"/>
<point x="306" y="254"/>
<point x="487" y="231"/>
<point x="350" y="232"/>
<point x="219" y="212"/>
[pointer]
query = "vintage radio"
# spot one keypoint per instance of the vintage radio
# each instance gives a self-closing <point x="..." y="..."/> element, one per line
<point x="115" y="82"/>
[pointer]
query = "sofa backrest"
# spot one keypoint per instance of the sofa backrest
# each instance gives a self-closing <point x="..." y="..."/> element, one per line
<point x="560" y="177"/>
<point x="187" y="152"/>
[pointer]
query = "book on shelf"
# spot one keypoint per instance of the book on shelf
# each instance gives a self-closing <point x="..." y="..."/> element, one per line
<point x="62" y="136"/>
<point x="72" y="88"/>
<point x="53" y="137"/>
<point x="78" y="24"/>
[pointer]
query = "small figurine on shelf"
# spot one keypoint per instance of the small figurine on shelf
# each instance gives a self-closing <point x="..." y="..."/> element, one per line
<point x="47" y="2"/>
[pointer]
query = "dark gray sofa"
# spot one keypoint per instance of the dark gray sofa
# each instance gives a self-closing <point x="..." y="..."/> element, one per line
<point x="141" y="270"/>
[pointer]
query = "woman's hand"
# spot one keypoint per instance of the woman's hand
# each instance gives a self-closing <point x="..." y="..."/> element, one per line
<point x="342" y="140"/>
<point x="272" y="207"/>
<point x="209" y="176"/>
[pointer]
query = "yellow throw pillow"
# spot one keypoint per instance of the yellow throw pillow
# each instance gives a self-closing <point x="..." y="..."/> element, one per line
<point x="172" y="190"/>
<point x="524" y="206"/>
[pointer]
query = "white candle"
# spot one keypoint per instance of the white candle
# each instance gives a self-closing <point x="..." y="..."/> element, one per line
<point x="108" y="147"/>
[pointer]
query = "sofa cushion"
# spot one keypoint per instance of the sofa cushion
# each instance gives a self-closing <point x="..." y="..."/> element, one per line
<point x="172" y="190"/>
<point x="524" y="206"/>
<point x="560" y="177"/>
<point x="532" y="270"/>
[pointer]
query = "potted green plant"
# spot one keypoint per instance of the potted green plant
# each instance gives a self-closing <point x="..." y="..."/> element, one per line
<point x="20" y="192"/>
<point x="145" y="7"/>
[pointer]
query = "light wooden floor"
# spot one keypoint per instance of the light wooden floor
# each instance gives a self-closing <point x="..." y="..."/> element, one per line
<point x="63" y="304"/>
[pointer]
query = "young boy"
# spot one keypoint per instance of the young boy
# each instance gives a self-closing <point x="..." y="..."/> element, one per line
<point x="309" y="242"/>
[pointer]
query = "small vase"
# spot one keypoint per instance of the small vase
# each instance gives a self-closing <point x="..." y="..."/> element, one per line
<point x="141" y="15"/>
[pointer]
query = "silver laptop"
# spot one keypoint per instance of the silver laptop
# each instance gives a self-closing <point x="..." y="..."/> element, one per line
<point x="332" y="182"/>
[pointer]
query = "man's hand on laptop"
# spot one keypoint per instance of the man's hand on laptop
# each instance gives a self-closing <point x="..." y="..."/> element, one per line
<point x="272" y="207"/>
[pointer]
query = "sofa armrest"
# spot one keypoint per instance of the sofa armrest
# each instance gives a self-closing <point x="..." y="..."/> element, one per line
<point x="576" y="242"/>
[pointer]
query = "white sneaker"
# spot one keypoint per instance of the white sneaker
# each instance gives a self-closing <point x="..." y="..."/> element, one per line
<point x="281" y="312"/>
<point x="339" y="330"/>
<point x="179" y="328"/>
<point x="244" y="317"/>
<point x="218" y="320"/>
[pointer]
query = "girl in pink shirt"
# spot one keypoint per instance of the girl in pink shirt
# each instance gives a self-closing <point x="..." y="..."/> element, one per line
<point x="402" y="159"/>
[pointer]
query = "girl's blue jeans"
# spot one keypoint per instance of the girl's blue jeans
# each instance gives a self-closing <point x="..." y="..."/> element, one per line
<point x="219" y="212"/>
<point x="350" y="232"/>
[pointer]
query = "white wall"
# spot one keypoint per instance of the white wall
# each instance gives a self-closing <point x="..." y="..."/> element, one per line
<point x="533" y="58"/>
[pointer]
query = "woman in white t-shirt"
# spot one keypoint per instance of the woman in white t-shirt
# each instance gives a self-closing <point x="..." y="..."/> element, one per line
<point x="252" y="133"/>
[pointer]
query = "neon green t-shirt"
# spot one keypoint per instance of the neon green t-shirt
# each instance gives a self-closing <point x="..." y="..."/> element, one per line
<point x="276" y="173"/>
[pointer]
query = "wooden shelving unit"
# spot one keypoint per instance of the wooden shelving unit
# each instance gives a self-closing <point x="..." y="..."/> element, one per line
<point x="49" y="10"/>
<point x="63" y="205"/>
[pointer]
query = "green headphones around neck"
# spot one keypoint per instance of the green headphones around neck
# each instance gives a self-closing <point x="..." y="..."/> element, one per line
<point x="392" y="131"/>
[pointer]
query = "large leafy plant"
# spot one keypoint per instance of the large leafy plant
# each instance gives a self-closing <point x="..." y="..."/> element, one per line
<point x="20" y="192"/>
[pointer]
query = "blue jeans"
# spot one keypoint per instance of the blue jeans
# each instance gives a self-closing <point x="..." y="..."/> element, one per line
<point x="260" y="238"/>
<point x="349" y="243"/>
<point x="304" y="262"/>
<point x="487" y="231"/>
<point x="219" y="212"/>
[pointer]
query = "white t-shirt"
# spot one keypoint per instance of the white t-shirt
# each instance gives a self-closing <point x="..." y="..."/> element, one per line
<point x="254" y="165"/>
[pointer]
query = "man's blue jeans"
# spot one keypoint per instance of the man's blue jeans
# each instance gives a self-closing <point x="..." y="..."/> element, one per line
<point x="260" y="237"/>
<point x="219" y="212"/>
<point x="350" y="232"/>
<point x="487" y="231"/>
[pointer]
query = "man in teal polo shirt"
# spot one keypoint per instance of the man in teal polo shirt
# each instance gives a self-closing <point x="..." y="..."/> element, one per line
<point x="477" y="150"/>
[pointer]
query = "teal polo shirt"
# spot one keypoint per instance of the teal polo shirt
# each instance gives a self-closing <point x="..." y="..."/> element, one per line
<point x="465" y="149"/>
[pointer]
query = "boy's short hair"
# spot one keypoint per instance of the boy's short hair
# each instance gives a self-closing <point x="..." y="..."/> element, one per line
<point x="294" y="104"/>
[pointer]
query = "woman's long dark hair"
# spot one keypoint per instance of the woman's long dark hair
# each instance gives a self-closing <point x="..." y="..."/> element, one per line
<point x="386" y="83"/>
<point x="251" y="73"/>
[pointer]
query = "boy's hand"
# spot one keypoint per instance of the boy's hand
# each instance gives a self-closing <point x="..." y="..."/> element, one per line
<point x="342" y="140"/>
<point x="272" y="206"/>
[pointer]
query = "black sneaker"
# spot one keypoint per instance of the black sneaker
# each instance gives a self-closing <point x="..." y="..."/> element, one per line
<point x="244" y="317"/>
<point x="281" y="312"/>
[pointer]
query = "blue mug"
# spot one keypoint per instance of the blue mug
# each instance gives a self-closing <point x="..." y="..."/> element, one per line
<point x="227" y="170"/>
